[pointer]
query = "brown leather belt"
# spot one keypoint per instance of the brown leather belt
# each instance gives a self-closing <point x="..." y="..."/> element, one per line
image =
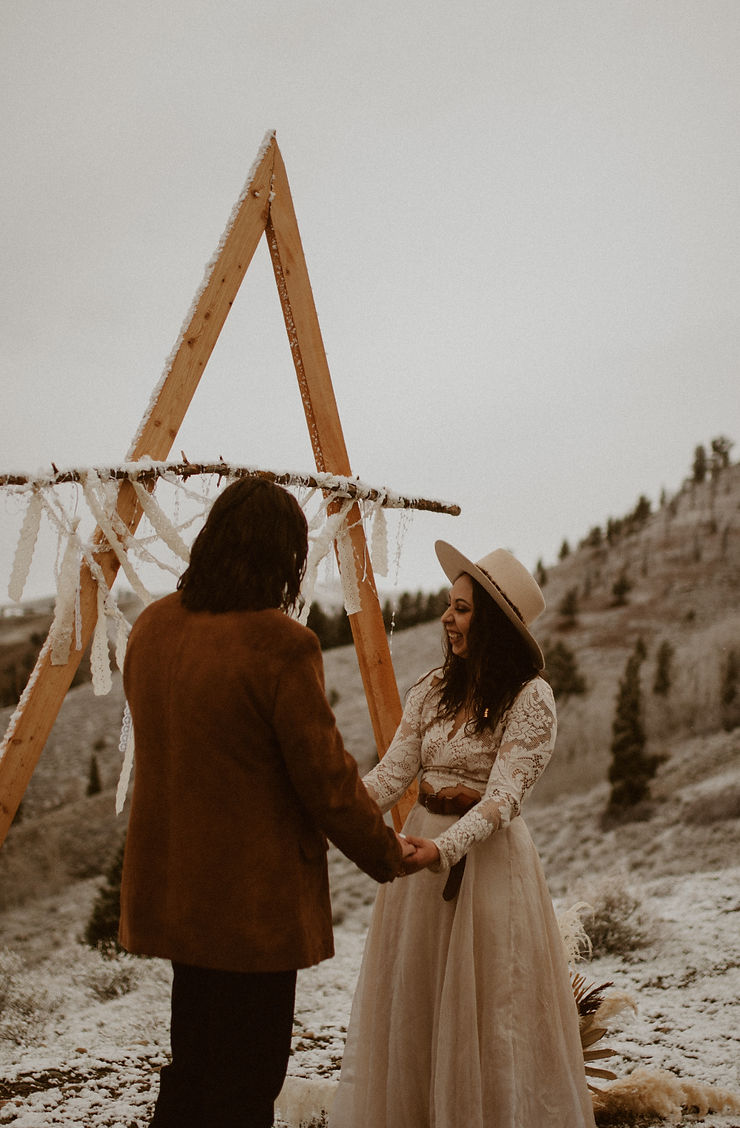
<point x="449" y="805"/>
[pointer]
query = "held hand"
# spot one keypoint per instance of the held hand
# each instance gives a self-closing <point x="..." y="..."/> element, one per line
<point x="425" y="854"/>
<point x="407" y="849"/>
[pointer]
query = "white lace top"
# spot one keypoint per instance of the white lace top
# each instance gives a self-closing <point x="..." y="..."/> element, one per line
<point x="502" y="764"/>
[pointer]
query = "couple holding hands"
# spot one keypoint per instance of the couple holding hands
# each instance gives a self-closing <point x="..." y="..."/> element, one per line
<point x="463" y="1014"/>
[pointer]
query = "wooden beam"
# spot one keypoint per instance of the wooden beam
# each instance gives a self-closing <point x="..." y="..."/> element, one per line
<point x="330" y="454"/>
<point x="160" y="426"/>
<point x="148" y="472"/>
<point x="32" y="722"/>
<point x="266" y="205"/>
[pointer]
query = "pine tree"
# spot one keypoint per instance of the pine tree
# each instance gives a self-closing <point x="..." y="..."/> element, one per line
<point x="388" y="621"/>
<point x="320" y="624"/>
<point x="641" y="512"/>
<point x="631" y="769"/>
<point x="662" y="682"/>
<point x="94" y="783"/>
<point x="620" y="588"/>
<point x="614" y="527"/>
<point x="405" y="611"/>
<point x="342" y="629"/>
<point x="730" y="691"/>
<point x="435" y="606"/>
<point x="562" y="671"/>
<point x="102" y="927"/>
<point x="720" y="459"/>
<point x="699" y="467"/>
<point x="569" y="607"/>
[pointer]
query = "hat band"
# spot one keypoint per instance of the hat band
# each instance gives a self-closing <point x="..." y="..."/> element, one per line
<point x="512" y="605"/>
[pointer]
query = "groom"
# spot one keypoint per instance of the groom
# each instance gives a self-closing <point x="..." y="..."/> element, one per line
<point x="241" y="775"/>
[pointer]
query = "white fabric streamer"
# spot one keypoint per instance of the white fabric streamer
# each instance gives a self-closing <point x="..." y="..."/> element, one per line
<point x="121" y="641"/>
<point x="319" y="548"/>
<point x="78" y="609"/>
<point x="161" y="523"/>
<point x="67" y="600"/>
<point x="99" y="656"/>
<point x="26" y="545"/>
<point x="379" y="549"/>
<point x="105" y="522"/>
<point x="404" y="524"/>
<point x="348" y="572"/>
<point x="126" y="748"/>
<point x="327" y="516"/>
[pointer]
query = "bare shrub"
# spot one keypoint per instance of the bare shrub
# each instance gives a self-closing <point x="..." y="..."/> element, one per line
<point x="26" y="1002"/>
<point x="101" y="932"/>
<point x="617" y="924"/>
<point x="107" y="976"/>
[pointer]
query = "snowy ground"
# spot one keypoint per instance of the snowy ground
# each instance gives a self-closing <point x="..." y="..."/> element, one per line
<point x="71" y="1054"/>
<point x="81" y="1038"/>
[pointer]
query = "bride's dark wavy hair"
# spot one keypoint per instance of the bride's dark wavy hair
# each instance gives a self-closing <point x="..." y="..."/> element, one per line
<point x="251" y="552"/>
<point x="497" y="665"/>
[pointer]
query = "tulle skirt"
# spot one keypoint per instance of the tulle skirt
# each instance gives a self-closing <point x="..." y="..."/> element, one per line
<point x="464" y="1015"/>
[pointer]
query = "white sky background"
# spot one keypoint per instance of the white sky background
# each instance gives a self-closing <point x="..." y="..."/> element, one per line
<point x="520" y="220"/>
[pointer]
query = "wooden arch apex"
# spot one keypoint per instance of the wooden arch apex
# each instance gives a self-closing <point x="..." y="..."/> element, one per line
<point x="265" y="207"/>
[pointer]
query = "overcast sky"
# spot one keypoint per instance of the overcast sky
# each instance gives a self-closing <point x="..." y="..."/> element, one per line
<point x="520" y="220"/>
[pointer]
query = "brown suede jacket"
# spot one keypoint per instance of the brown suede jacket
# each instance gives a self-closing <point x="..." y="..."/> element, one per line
<point x="240" y="776"/>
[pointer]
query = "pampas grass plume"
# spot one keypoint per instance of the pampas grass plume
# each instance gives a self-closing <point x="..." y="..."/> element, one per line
<point x="574" y="936"/>
<point x="649" y="1093"/>
<point x="615" y="1003"/>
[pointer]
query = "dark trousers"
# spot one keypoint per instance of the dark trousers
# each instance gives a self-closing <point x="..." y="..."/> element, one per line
<point x="230" y="1035"/>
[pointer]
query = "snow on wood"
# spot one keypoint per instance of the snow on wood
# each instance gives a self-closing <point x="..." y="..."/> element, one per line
<point x="147" y="470"/>
<point x="207" y="275"/>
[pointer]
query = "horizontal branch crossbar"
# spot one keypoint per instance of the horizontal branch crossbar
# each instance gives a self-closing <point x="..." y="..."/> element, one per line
<point x="150" y="471"/>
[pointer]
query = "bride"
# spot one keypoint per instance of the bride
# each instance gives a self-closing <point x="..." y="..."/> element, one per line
<point x="464" y="1015"/>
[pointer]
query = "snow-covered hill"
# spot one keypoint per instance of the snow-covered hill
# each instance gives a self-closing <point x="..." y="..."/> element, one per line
<point x="81" y="1038"/>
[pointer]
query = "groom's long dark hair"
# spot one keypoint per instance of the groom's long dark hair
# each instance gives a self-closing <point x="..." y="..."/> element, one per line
<point x="251" y="552"/>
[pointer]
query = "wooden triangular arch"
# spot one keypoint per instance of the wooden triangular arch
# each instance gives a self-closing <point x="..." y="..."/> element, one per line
<point x="265" y="207"/>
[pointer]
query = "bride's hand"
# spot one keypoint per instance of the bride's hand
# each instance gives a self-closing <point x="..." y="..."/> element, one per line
<point x="425" y="854"/>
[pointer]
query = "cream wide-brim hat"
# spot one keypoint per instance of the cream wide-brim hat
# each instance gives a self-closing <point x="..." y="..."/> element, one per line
<point x="508" y="583"/>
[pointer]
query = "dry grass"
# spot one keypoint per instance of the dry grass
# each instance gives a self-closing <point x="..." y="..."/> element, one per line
<point x="650" y="1094"/>
<point x="616" y="922"/>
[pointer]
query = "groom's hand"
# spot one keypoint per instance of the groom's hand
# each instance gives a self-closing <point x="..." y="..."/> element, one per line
<point x="425" y="853"/>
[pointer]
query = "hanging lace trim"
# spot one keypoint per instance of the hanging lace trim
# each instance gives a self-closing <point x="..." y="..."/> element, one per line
<point x="126" y="749"/>
<point x="26" y="545"/>
<point x="75" y="501"/>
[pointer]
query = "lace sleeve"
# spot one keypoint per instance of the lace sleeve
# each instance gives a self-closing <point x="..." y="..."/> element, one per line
<point x="525" y="750"/>
<point x="387" y="782"/>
